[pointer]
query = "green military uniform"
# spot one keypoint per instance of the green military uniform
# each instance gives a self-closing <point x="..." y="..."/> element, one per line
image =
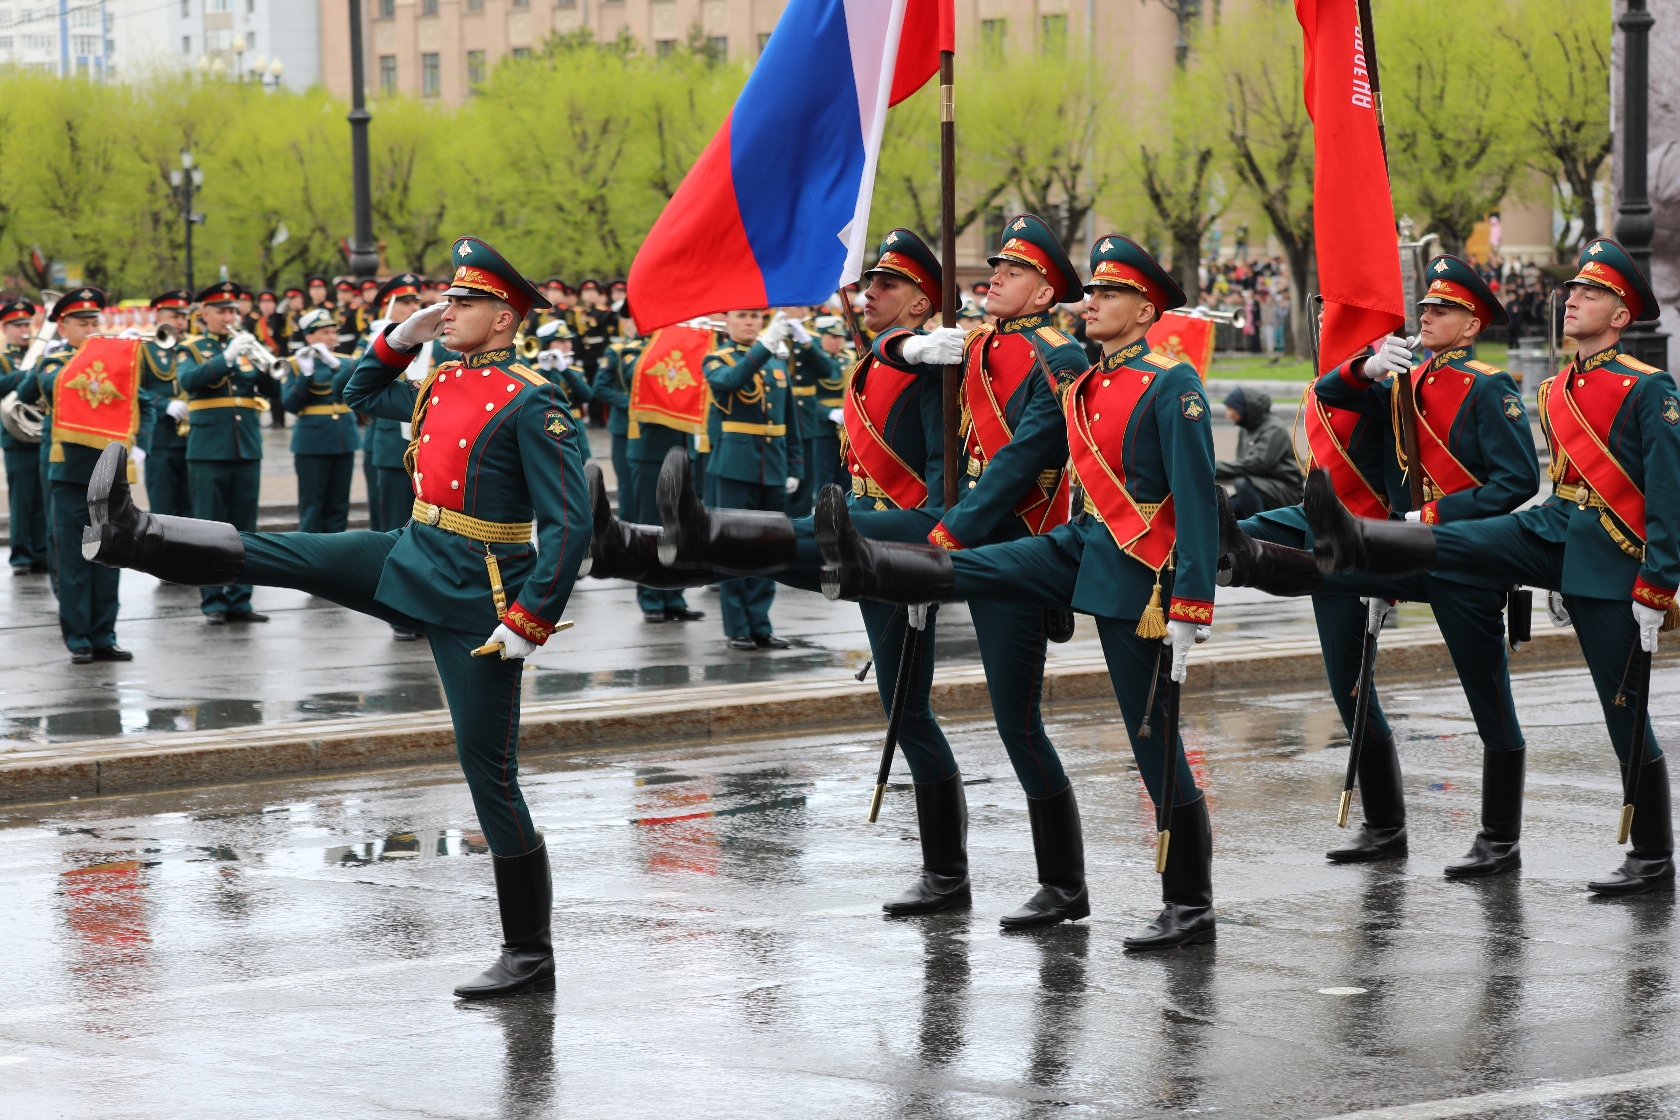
<point x="168" y="486"/>
<point x="226" y="400"/>
<point x="755" y="448"/>
<point x="324" y="439"/>
<point x="819" y="388"/>
<point x="25" y="488"/>
<point x="612" y="388"/>
<point x="562" y="370"/>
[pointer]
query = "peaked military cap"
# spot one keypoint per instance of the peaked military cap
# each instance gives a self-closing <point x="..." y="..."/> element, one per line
<point x="1454" y="283"/>
<point x="176" y="299"/>
<point x="314" y="280"/>
<point x="345" y="286"/>
<point x="830" y="324"/>
<point x="290" y="292"/>
<point x="223" y="291"/>
<point x="588" y="284"/>
<point x="1605" y="264"/>
<point x="481" y="271"/>
<point x="904" y="254"/>
<point x="266" y="293"/>
<point x="15" y="309"/>
<point x="78" y="301"/>
<point x="554" y="328"/>
<point x="316" y="318"/>
<point x="370" y="282"/>
<point x="1120" y="262"/>
<point x="402" y="285"/>
<point x="1027" y="240"/>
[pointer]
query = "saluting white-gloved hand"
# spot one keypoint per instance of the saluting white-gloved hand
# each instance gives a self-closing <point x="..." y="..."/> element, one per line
<point x="791" y="484"/>
<point x="554" y="359"/>
<point x="326" y="354"/>
<point x="942" y="346"/>
<point x="1392" y="356"/>
<point x="177" y="410"/>
<point x="1376" y="614"/>
<point x="1649" y="620"/>
<point x="773" y="335"/>
<point x="1181" y="636"/>
<point x="420" y="327"/>
<point x="514" y="646"/>
<point x="799" y="333"/>
<point x="837" y="416"/>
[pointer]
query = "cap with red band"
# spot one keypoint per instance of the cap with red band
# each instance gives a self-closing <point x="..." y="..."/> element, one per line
<point x="1119" y="262"/>
<point x="907" y="255"/>
<point x="1454" y="282"/>
<point x="1027" y="240"/>
<point x="1605" y="264"/>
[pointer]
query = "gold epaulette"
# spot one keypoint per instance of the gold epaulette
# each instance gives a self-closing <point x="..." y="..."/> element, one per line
<point x="451" y="364"/>
<point x="1483" y="367"/>
<point x="1160" y="360"/>
<point x="528" y="374"/>
<point x="1053" y="336"/>
<point x="1636" y="365"/>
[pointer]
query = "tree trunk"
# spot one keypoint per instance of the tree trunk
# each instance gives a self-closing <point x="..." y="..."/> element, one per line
<point x="1303" y="279"/>
<point x="1187" y="254"/>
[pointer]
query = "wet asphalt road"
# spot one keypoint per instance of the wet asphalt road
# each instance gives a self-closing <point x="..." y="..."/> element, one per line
<point x="287" y="949"/>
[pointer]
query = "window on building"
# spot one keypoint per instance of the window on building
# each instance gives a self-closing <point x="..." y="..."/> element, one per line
<point x="37" y="42"/>
<point x="387" y="9"/>
<point x="475" y="5"/>
<point x="428" y="7"/>
<point x="250" y="42"/>
<point x="250" y="7"/>
<point x="565" y="3"/>
<point x="5" y="42"/>
<point x="186" y="8"/>
<point x="220" y="5"/>
<point x="763" y="41"/>
<point x="522" y="3"/>
<point x="84" y="45"/>
<point x="387" y="74"/>
<point x="475" y="67"/>
<point x="521" y="52"/>
<point x="994" y="34"/>
<point x="719" y="46"/>
<point x="1053" y="35"/>
<point x="84" y="17"/>
<point x="431" y="82"/>
<point x="186" y="46"/>
<point x="663" y="47"/>
<point x="5" y="17"/>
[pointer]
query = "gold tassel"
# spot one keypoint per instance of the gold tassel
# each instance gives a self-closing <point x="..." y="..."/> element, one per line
<point x="1671" y="619"/>
<point x="1152" y="625"/>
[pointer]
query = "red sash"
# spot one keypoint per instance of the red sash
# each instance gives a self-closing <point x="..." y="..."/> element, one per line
<point x="1146" y="540"/>
<point x="1328" y="432"/>
<point x="986" y="394"/>
<point x="867" y="448"/>
<point x="1585" y="448"/>
<point x="1446" y="395"/>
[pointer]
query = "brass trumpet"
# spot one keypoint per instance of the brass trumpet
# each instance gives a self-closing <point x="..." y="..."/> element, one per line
<point x="527" y="347"/>
<point x="166" y="337"/>
<point x="1234" y="319"/>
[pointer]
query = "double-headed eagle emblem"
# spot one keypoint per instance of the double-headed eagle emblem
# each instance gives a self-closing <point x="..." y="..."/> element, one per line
<point x="94" y="388"/>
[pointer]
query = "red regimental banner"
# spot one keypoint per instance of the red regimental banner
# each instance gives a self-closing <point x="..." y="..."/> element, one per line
<point x="96" y="396"/>
<point x="669" y="383"/>
<point x="1184" y="338"/>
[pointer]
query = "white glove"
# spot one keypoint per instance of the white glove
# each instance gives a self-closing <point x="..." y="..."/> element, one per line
<point x="1181" y="636"/>
<point x="791" y="484"/>
<point x="837" y="416"/>
<point x="130" y="332"/>
<point x="1414" y="515"/>
<point x="422" y="326"/>
<point x="800" y="334"/>
<point x="1649" y="620"/>
<point x="327" y="355"/>
<point x="1376" y="614"/>
<point x="942" y="346"/>
<point x="306" y="363"/>
<point x="138" y="454"/>
<point x="514" y="646"/>
<point x="554" y="359"/>
<point x="1555" y="610"/>
<point x="773" y="335"/>
<point x="240" y="343"/>
<point x="177" y="410"/>
<point x="1392" y="356"/>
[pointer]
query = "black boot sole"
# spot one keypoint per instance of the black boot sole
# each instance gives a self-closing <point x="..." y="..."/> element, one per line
<point x="1144" y="945"/>
<point x="1393" y="848"/>
<point x="1076" y="908"/>
<point x="1483" y="869"/>
<point x="831" y="521"/>
<point x="681" y="514"/>
<point x="1615" y="889"/>
<point x="542" y="984"/>
<point x="956" y="900"/>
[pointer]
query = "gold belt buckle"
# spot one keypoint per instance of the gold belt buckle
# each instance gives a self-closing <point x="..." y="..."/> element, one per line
<point x="434" y="514"/>
<point x="1583" y="496"/>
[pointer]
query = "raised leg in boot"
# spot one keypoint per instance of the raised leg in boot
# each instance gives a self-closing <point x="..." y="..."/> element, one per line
<point x="1246" y="561"/>
<point x="1382" y="835"/>
<point x="1186" y="916"/>
<point x="1495" y="848"/>
<point x="621" y="550"/>
<point x="1343" y="542"/>
<point x="742" y="542"/>
<point x="181" y="550"/>
<point x="855" y="567"/>
<point x="1059" y="849"/>
<point x="525" y="897"/>
<point x="942" y="819"/>
<point x="1649" y="865"/>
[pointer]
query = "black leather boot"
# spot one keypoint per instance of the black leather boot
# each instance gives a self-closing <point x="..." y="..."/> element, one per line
<point x="525" y="896"/>
<point x="741" y="542"/>
<point x="181" y="550"/>
<point x="1383" y="833"/>
<point x="1649" y="866"/>
<point x="942" y="819"/>
<point x="855" y="567"/>
<point x="620" y="550"/>
<point x="1059" y="847"/>
<point x="1495" y="848"/>
<point x="1186" y="918"/>
<point x="1273" y="568"/>
<point x="1343" y="542"/>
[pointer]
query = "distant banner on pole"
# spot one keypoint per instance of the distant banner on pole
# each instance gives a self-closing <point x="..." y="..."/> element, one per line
<point x="96" y="396"/>
<point x="1189" y="338"/>
<point x="669" y="387"/>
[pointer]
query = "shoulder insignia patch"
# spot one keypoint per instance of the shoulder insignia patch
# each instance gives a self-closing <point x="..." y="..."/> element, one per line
<point x="1513" y="407"/>
<point x="1482" y="367"/>
<point x="1161" y="360"/>
<point x="1053" y="336"/>
<point x="554" y="423"/>
<point x="528" y="374"/>
<point x="1636" y="365"/>
<point x="1191" y="404"/>
<point x="1671" y="410"/>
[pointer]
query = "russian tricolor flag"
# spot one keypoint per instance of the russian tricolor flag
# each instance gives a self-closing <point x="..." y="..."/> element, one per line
<point x="775" y="211"/>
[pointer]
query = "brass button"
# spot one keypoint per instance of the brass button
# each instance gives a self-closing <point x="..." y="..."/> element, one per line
<point x="463" y="442"/>
<point x="489" y="407"/>
<point x="425" y="439"/>
<point x="1098" y="416"/>
<point x="511" y="388"/>
<point x="1432" y="379"/>
<point x="1579" y="382"/>
<point x="454" y="484"/>
<point x="1146" y="379"/>
<point x="971" y="485"/>
<point x="1105" y="383"/>
<point x="486" y="373"/>
<point x="434" y="400"/>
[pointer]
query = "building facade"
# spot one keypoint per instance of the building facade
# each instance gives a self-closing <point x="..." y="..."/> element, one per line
<point x="63" y="37"/>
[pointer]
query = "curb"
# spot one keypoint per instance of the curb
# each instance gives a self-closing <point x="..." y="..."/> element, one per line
<point x="104" y="767"/>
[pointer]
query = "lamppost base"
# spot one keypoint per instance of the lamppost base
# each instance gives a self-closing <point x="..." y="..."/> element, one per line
<point x="1649" y="346"/>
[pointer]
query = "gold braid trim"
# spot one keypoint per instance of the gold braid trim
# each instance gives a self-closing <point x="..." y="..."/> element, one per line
<point x="422" y="401"/>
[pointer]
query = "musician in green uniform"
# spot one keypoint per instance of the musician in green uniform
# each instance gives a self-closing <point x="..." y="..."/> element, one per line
<point x="819" y="387"/>
<point x="557" y="361"/>
<point x="25" y="490"/>
<point x="324" y="440"/>
<point x="1607" y="539"/>
<point x="646" y="446"/>
<point x="168" y="488"/>
<point x="612" y="388"/>
<point x="226" y="396"/>
<point x="484" y="569"/>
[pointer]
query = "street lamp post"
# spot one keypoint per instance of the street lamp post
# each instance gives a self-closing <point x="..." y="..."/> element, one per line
<point x="364" y="256"/>
<point x="1634" y="226"/>
<point x="186" y="179"/>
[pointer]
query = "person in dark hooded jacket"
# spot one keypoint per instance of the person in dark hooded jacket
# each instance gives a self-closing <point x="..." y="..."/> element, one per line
<point x="1264" y="475"/>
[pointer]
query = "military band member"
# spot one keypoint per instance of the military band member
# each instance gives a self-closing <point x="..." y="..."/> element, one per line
<point x="558" y="362"/>
<point x="289" y="312"/>
<point x="1138" y="431"/>
<point x="495" y="458"/>
<point x="226" y="397"/>
<point x="324" y="439"/>
<point x="611" y="387"/>
<point x="1607" y="539"/>
<point x="592" y="322"/>
<point x="25" y="486"/>
<point x="819" y="387"/>
<point x="352" y="317"/>
<point x="168" y="489"/>
<point x="320" y="292"/>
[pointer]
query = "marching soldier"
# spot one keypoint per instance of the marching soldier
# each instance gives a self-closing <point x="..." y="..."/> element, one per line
<point x="352" y="322"/>
<point x="612" y="388"/>
<point x="25" y="487"/>
<point x="495" y="459"/>
<point x="289" y="313"/>
<point x="106" y="405"/>
<point x="167" y="485"/>
<point x="324" y="439"/>
<point x="226" y="397"/>
<point x="1607" y="539"/>
<point x="645" y="451"/>
<point x="1140" y="439"/>
<point x="557" y="362"/>
<point x="819" y="387"/>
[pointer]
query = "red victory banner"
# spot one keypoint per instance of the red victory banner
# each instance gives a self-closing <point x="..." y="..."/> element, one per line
<point x="1186" y="338"/>
<point x="96" y="396"/>
<point x="669" y="386"/>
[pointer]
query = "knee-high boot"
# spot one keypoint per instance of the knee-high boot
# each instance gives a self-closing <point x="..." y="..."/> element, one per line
<point x="1495" y="848"/>
<point x="1059" y="849"/>
<point x="742" y="542"/>
<point x="621" y="550"/>
<point x="1383" y="834"/>
<point x="1344" y="542"/>
<point x="1649" y="866"/>
<point x="1273" y="568"/>
<point x="525" y="897"/>
<point x="942" y="819"/>
<point x="855" y="567"/>
<point x="1186" y="916"/>
<point x="181" y="550"/>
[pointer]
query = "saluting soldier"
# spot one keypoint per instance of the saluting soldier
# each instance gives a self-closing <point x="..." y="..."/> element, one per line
<point x="226" y="397"/>
<point x="593" y="323"/>
<point x="818" y="387"/>
<point x="611" y="387"/>
<point x="495" y="460"/>
<point x="1140" y="440"/>
<point x="1607" y="539"/>
<point x="25" y="487"/>
<point x="324" y="440"/>
<point x="168" y="489"/>
<point x="111" y="402"/>
<point x="557" y="361"/>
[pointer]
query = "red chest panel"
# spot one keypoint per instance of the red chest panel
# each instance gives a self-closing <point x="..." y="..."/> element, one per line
<point x="1008" y="360"/>
<point x="1599" y="399"/>
<point x="882" y="387"/>
<point x="1110" y="399"/>
<point x="463" y="402"/>
<point x="1441" y="394"/>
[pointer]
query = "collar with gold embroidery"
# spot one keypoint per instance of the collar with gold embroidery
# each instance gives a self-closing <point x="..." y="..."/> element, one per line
<point x="488" y="358"/>
<point x="1601" y="358"/>
<point x="1124" y="354"/>
<point x="1020" y="323"/>
<point x="1444" y="357"/>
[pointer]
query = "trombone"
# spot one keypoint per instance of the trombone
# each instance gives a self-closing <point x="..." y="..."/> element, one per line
<point x="49" y="330"/>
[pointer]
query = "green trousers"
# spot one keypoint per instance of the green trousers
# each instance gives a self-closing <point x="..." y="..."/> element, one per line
<point x="1501" y="548"/>
<point x="168" y="489"/>
<point x="644" y="477"/>
<point x="482" y="692"/>
<point x="393" y="494"/>
<point x="87" y="592"/>
<point x="822" y="466"/>
<point x="28" y="500"/>
<point x="324" y="491"/>
<point x="226" y="490"/>
<point x="745" y="601"/>
<point x="623" y="477"/>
